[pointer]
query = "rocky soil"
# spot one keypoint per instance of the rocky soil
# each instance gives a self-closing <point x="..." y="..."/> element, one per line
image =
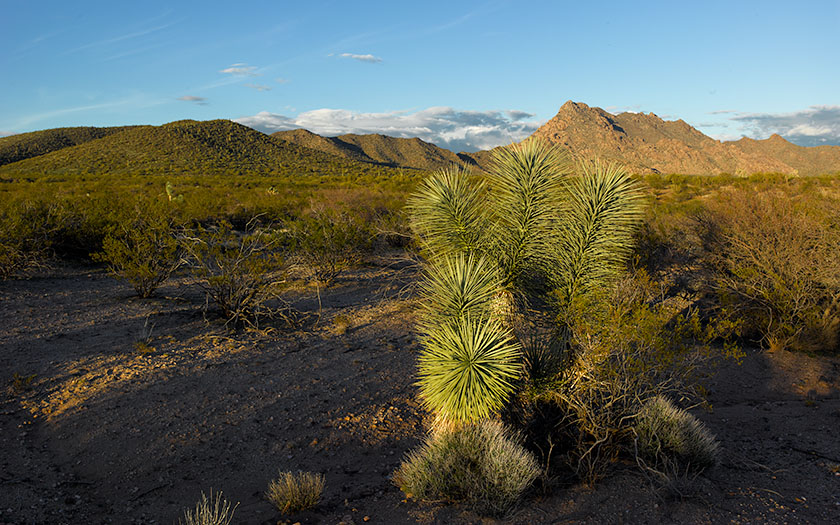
<point x="102" y="422"/>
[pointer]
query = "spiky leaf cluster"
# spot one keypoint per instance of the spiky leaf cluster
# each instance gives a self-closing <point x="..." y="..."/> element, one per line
<point x="467" y="368"/>
<point x="458" y="286"/>
<point x="603" y="208"/>
<point x="526" y="188"/>
<point x="448" y="213"/>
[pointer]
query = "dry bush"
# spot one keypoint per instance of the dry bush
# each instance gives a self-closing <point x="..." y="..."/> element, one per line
<point x="295" y="492"/>
<point x="776" y="268"/>
<point x="240" y="272"/>
<point x="666" y="435"/>
<point x="480" y="463"/>
<point x="26" y="230"/>
<point x="215" y="511"/>
<point x="628" y="347"/>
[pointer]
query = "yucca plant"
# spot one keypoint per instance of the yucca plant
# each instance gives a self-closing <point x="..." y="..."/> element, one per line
<point x="448" y="213"/>
<point x="468" y="367"/>
<point x="603" y="208"/>
<point x="529" y="226"/>
<point x="526" y="185"/>
<point x="460" y="285"/>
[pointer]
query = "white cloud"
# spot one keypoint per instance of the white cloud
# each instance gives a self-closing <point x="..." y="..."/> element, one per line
<point x="258" y="87"/>
<point x="362" y="58"/>
<point x="241" y="70"/>
<point x="281" y="80"/>
<point x="7" y="133"/>
<point x="722" y="112"/>
<point x="456" y="130"/>
<point x="815" y="126"/>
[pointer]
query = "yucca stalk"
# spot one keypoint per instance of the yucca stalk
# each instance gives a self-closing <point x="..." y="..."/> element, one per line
<point x="457" y="286"/>
<point x="604" y="207"/>
<point x="526" y="184"/>
<point x="448" y="214"/>
<point x="467" y="367"/>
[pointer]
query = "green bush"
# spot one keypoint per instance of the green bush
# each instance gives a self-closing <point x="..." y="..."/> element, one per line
<point x="239" y="271"/>
<point x="481" y="464"/>
<point x="665" y="433"/>
<point x="144" y="250"/>
<point x="295" y="492"/>
<point x="330" y="243"/>
<point x="215" y="511"/>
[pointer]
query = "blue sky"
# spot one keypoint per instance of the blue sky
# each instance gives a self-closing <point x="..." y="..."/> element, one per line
<point x="464" y="75"/>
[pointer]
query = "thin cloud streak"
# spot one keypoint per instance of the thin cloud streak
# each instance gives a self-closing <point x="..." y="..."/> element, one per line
<point x="120" y="38"/>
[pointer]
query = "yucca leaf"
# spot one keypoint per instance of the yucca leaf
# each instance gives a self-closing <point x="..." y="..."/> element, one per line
<point x="603" y="209"/>
<point x="526" y="184"/>
<point x="447" y="213"/>
<point x="457" y="286"/>
<point x="466" y="368"/>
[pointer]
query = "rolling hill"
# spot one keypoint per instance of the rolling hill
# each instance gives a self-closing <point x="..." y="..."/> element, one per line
<point x="377" y="149"/>
<point x="27" y="145"/>
<point x="210" y="147"/>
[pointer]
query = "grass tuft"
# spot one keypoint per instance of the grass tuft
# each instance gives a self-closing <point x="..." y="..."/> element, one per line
<point x="213" y="511"/>
<point x="481" y="464"/>
<point x="295" y="492"/>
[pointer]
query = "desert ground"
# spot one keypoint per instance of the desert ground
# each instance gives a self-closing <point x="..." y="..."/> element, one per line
<point x="122" y="410"/>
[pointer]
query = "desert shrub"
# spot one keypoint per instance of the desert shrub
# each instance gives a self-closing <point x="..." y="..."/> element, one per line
<point x="666" y="434"/>
<point x="240" y="272"/>
<point x="627" y="345"/>
<point x="481" y="464"/>
<point x="29" y="229"/>
<point x="143" y="250"/>
<point x="330" y="243"/>
<point x="775" y="266"/>
<point x="525" y="239"/>
<point x="215" y="511"/>
<point x="295" y="492"/>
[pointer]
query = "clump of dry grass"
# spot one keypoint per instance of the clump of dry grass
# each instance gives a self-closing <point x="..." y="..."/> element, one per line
<point x="295" y="492"/>
<point x="667" y="433"/>
<point x="213" y="511"/>
<point x="480" y="463"/>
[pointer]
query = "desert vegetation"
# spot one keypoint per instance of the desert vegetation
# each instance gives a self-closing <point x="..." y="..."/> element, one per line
<point x="567" y="314"/>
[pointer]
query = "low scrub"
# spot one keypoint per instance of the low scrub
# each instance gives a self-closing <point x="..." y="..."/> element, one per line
<point x="481" y="464"/>
<point x="240" y="272"/>
<point x="775" y="266"/>
<point x="330" y="243"/>
<point x="142" y="250"/>
<point x="295" y="492"/>
<point x="667" y="435"/>
<point x="213" y="511"/>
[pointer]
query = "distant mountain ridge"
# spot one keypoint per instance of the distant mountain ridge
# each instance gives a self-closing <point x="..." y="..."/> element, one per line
<point x="15" y="148"/>
<point x="379" y="149"/>
<point x="645" y="143"/>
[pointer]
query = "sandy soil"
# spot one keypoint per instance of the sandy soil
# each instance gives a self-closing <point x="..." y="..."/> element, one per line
<point x="97" y="429"/>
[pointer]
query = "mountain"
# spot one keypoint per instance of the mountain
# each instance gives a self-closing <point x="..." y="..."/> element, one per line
<point x="187" y="146"/>
<point x="27" y="145"/>
<point x="377" y="149"/>
<point x="646" y="143"/>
